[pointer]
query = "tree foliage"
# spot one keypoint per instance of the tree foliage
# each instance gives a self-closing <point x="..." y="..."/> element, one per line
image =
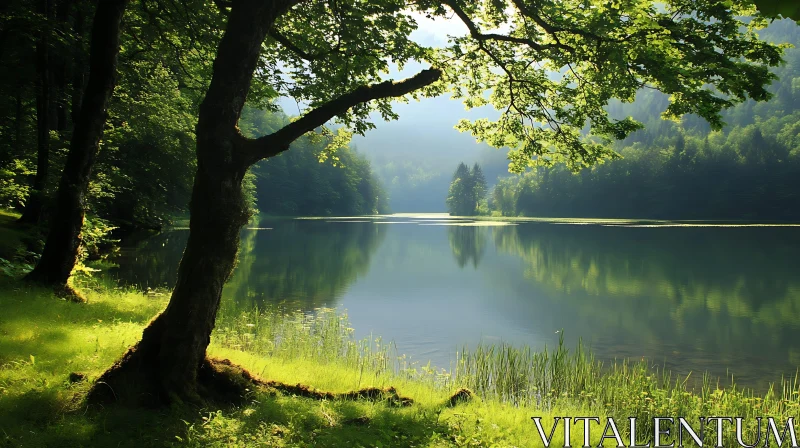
<point x="144" y="173"/>
<point x="784" y="8"/>
<point x="685" y="170"/>
<point x="560" y="63"/>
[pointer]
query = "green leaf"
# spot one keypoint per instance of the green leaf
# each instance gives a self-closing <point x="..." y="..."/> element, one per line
<point x="783" y="8"/>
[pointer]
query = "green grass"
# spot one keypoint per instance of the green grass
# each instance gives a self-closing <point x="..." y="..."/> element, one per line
<point x="554" y="378"/>
<point x="546" y="382"/>
<point x="43" y="340"/>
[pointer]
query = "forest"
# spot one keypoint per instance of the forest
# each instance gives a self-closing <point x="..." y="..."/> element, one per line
<point x="144" y="172"/>
<point x="129" y="129"/>
<point x="304" y="182"/>
<point x="683" y="170"/>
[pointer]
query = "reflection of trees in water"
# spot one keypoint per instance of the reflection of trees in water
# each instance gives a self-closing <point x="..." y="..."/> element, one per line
<point x="151" y="262"/>
<point x="467" y="243"/>
<point x="745" y="272"/>
<point x="306" y="263"/>
<point x="712" y="289"/>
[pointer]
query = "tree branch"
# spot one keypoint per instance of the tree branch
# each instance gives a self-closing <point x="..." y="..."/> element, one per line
<point x="289" y="45"/>
<point x="279" y="141"/>
<point x="476" y="34"/>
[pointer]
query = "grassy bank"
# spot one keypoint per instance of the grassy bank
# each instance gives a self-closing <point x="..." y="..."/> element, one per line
<point x="51" y="350"/>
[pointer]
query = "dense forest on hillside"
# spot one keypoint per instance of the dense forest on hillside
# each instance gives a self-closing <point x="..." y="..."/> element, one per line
<point x="299" y="183"/>
<point x="417" y="176"/>
<point x="684" y="170"/>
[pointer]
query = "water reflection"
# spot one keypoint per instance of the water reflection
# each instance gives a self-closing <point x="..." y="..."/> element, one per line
<point x="690" y="298"/>
<point x="306" y="263"/>
<point x="468" y="243"/>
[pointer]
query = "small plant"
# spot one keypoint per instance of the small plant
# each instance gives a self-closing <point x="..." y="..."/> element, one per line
<point x="97" y="243"/>
<point x="14" y="268"/>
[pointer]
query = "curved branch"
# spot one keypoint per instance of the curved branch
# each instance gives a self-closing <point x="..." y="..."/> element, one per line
<point x="476" y="34"/>
<point x="289" y="45"/>
<point x="279" y="141"/>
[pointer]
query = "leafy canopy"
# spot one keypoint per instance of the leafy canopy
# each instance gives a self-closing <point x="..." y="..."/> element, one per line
<point x="549" y="66"/>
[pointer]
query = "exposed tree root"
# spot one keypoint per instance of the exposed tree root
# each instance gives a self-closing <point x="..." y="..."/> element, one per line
<point x="462" y="395"/>
<point x="134" y="381"/>
<point x="222" y="376"/>
<point x="69" y="293"/>
<point x="368" y="393"/>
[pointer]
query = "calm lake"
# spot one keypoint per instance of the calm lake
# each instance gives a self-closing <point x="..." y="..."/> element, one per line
<point x="692" y="297"/>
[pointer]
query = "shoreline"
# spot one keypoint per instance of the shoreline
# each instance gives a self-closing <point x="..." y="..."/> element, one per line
<point x="320" y="351"/>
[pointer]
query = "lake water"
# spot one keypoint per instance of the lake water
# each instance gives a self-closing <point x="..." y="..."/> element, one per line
<point x="692" y="297"/>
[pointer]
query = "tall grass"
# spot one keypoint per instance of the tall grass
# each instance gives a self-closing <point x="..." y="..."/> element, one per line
<point x="323" y="336"/>
<point x="551" y="379"/>
<point x="621" y="390"/>
<point x="521" y="376"/>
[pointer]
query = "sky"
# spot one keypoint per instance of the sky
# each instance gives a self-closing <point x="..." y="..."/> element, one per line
<point x="425" y="129"/>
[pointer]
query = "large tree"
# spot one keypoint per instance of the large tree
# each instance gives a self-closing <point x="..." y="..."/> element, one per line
<point x="549" y="66"/>
<point x="63" y="241"/>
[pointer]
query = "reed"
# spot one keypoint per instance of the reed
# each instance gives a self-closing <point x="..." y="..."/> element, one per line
<point x="550" y="379"/>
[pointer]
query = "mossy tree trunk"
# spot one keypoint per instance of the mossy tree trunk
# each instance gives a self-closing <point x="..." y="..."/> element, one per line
<point x="63" y="241"/>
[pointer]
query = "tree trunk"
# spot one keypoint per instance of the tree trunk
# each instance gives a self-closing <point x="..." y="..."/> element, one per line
<point x="62" y="65"/>
<point x="33" y="206"/>
<point x="164" y="366"/>
<point x="78" y="63"/>
<point x="19" y="118"/>
<point x="61" y="249"/>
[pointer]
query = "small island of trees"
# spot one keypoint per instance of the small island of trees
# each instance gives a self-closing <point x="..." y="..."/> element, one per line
<point x="467" y="195"/>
